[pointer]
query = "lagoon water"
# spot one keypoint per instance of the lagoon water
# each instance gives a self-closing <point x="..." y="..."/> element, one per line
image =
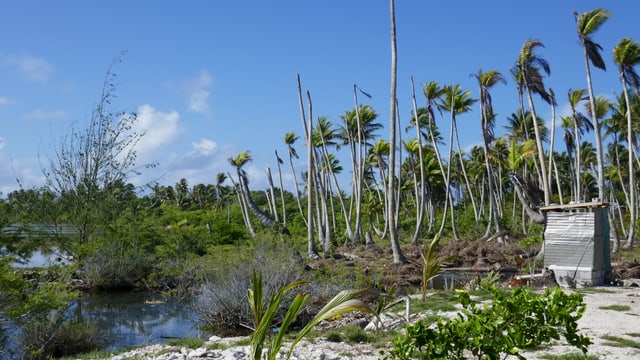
<point x="128" y="319"/>
<point x="133" y="319"/>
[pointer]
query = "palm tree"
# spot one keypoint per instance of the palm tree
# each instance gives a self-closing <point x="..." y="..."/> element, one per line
<point x="581" y="124"/>
<point x="529" y="66"/>
<point x="420" y="185"/>
<point x="279" y="162"/>
<point x="626" y="55"/>
<point x="307" y="124"/>
<point x="457" y="102"/>
<point x="487" y="80"/>
<point x="243" y="181"/>
<point x="570" y="144"/>
<point x="290" y="138"/>
<point x="588" y="23"/>
<point x="359" y="128"/>
<point x="398" y="256"/>
<point x="378" y="153"/>
<point x="433" y="94"/>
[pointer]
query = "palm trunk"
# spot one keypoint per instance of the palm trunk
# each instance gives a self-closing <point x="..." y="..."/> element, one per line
<point x="243" y="208"/>
<point x="398" y="256"/>
<point x="284" y="209"/>
<point x="596" y="130"/>
<point x="543" y="168"/>
<point x="420" y="198"/>
<point x="263" y="217"/>
<point x="312" y="250"/>
<point x="632" y="185"/>
<point x="272" y="191"/>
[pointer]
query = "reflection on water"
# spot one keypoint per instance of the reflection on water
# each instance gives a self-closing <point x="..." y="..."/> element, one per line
<point x="134" y="319"/>
<point x="127" y="319"/>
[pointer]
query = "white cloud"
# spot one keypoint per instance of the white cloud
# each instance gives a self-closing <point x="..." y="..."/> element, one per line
<point x="159" y="128"/>
<point x="205" y="147"/>
<point x="30" y="67"/>
<point x="197" y="92"/>
<point x="2" y="143"/>
<point x="6" y="101"/>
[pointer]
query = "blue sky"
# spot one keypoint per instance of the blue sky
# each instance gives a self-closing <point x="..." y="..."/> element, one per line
<point x="210" y="79"/>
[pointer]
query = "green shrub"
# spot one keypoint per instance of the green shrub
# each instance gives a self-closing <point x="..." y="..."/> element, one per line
<point x="515" y="320"/>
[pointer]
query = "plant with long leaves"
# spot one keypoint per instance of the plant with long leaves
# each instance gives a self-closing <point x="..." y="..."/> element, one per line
<point x="264" y="317"/>
<point x="431" y="265"/>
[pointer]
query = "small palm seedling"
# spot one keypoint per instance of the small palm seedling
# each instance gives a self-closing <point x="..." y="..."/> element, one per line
<point x="264" y="317"/>
<point x="431" y="265"/>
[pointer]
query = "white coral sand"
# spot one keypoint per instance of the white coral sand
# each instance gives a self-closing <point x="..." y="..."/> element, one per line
<point x="611" y="311"/>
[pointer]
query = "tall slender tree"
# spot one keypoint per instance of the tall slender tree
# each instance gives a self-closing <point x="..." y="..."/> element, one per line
<point x="398" y="256"/>
<point x="587" y="24"/>
<point x="358" y="130"/>
<point x="456" y="102"/>
<point x="530" y="66"/>
<point x="486" y="80"/>
<point x="626" y="55"/>
<point x="581" y="124"/>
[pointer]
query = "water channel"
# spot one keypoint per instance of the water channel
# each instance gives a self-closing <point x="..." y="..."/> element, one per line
<point x="131" y="319"/>
<point x="128" y="319"/>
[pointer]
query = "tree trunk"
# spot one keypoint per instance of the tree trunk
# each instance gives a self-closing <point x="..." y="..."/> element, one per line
<point x="398" y="256"/>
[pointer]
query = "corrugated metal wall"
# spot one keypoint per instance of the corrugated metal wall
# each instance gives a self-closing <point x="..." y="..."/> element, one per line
<point x="573" y="239"/>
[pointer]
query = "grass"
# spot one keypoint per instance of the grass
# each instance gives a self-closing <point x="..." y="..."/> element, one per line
<point x="617" y="341"/>
<point x="615" y="307"/>
<point x="350" y="334"/>
<point x="569" y="356"/>
<point x="93" y="355"/>
<point x="595" y="290"/>
<point x="217" y="346"/>
<point x="629" y="255"/>
<point x="189" y="342"/>
<point x="242" y="342"/>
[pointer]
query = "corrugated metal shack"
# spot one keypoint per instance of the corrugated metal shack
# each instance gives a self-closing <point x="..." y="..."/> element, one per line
<point x="576" y="243"/>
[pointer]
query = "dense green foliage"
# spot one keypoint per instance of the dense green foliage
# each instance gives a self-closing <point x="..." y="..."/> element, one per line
<point x="512" y="321"/>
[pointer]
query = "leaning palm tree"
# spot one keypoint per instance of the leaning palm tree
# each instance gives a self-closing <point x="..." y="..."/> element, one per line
<point x="626" y="55"/>
<point x="243" y="181"/>
<point x="487" y="80"/>
<point x="529" y="67"/>
<point x="588" y="23"/>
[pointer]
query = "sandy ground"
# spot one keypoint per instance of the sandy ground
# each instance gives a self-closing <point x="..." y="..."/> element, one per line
<point x="598" y="322"/>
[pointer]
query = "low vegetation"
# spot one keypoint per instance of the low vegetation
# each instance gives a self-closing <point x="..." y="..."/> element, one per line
<point x="514" y="320"/>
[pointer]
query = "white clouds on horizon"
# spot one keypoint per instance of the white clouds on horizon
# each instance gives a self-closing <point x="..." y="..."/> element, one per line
<point x="30" y="67"/>
<point x="197" y="91"/>
<point x="159" y="128"/>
